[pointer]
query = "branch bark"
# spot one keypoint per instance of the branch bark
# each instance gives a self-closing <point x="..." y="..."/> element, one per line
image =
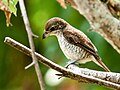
<point x="100" y="19"/>
<point x="30" y="38"/>
<point x="107" y="79"/>
<point x="110" y="76"/>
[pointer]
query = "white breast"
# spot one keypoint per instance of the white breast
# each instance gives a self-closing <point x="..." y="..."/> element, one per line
<point x="71" y="51"/>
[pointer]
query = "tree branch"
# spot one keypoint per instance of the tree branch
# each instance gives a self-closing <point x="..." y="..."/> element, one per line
<point x="107" y="79"/>
<point x="110" y="76"/>
<point x="100" y="19"/>
<point x="30" y="38"/>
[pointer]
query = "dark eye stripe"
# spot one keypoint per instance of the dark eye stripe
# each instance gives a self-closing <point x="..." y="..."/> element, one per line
<point x="52" y="28"/>
<point x="55" y="27"/>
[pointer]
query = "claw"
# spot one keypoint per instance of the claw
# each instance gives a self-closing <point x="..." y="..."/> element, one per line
<point x="70" y="62"/>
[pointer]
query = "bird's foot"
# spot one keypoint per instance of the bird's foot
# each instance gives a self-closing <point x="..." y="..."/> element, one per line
<point x="60" y="76"/>
<point x="71" y="62"/>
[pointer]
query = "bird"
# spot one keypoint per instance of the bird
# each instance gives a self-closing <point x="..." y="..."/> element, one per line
<point x="75" y="45"/>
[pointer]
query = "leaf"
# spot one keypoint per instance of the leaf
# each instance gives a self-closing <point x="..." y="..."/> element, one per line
<point x="9" y="7"/>
<point x="11" y="4"/>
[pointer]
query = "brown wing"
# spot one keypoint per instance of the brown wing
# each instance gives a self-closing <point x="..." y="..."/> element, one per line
<point x="81" y="41"/>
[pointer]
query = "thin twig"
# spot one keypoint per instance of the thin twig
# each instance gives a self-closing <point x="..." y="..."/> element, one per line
<point x="30" y="38"/>
<point x="73" y="73"/>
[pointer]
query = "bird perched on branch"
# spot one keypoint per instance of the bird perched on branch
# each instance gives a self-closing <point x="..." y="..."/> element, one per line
<point x="75" y="45"/>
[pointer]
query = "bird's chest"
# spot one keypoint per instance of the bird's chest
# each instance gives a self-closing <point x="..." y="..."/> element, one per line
<point x="71" y="51"/>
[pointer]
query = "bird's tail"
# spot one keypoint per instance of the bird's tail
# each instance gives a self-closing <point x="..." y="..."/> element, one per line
<point x="99" y="62"/>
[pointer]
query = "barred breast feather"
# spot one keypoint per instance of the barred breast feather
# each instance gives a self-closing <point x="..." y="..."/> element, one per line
<point x="73" y="52"/>
<point x="77" y="46"/>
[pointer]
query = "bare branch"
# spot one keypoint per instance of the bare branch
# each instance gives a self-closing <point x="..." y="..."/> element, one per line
<point x="110" y="76"/>
<point x="30" y="38"/>
<point x="101" y="20"/>
<point x="81" y="75"/>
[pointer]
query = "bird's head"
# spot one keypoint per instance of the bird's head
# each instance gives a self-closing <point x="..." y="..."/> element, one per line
<point x="54" y="26"/>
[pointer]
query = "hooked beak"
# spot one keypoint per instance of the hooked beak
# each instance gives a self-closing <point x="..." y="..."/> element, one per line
<point x="48" y="33"/>
<point x="45" y="34"/>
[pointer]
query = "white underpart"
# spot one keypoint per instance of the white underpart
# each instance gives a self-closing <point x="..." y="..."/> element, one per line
<point x="73" y="52"/>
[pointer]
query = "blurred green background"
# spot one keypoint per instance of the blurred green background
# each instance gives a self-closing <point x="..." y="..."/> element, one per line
<point x="13" y="76"/>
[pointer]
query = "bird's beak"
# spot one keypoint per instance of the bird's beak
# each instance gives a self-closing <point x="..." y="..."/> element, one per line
<point x="48" y="33"/>
<point x="45" y="34"/>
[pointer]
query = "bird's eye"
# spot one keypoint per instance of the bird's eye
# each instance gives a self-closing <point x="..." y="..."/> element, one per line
<point x="52" y="28"/>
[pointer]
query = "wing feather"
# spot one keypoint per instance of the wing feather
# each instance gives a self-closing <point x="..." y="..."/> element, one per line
<point x="80" y="39"/>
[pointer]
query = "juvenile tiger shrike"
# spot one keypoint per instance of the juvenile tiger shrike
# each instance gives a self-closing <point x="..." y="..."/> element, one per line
<point x="75" y="45"/>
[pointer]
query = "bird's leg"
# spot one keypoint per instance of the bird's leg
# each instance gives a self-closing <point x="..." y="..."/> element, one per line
<point x="66" y="66"/>
<point x="71" y="62"/>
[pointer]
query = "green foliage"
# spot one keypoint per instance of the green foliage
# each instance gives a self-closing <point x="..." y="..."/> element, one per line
<point x="11" y="5"/>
